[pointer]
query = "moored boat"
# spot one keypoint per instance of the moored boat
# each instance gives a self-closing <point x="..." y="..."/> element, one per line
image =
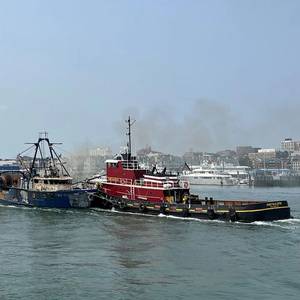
<point x="205" y="176"/>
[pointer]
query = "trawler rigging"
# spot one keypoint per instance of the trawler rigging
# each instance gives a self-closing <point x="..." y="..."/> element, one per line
<point x="45" y="181"/>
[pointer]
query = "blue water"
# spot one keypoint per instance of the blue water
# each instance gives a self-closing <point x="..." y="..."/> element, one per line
<point x="85" y="254"/>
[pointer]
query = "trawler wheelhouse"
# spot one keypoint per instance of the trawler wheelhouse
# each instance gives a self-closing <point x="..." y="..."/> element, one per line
<point x="51" y="183"/>
<point x="53" y="180"/>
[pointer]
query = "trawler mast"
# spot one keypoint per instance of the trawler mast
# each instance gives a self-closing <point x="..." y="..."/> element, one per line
<point x="39" y="149"/>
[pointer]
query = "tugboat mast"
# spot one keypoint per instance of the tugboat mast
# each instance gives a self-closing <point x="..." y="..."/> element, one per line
<point x="128" y="121"/>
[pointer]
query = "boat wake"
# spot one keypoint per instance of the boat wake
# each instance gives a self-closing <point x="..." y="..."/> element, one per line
<point x="121" y="212"/>
<point x="41" y="209"/>
<point x="159" y="216"/>
<point x="16" y="206"/>
<point x="190" y="219"/>
<point x="293" y="223"/>
<point x="290" y="221"/>
<point x="284" y="224"/>
<point x="279" y="223"/>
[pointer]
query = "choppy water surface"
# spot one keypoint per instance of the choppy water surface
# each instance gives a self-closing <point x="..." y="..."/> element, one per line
<point x="73" y="254"/>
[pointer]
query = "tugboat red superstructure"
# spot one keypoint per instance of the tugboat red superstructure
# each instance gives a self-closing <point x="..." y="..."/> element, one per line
<point x="130" y="188"/>
<point x="125" y="179"/>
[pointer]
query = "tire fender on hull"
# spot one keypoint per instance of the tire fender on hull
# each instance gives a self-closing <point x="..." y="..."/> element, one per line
<point x="142" y="208"/>
<point x="121" y="205"/>
<point x="185" y="212"/>
<point x="211" y="214"/>
<point x="162" y="209"/>
<point x="232" y="215"/>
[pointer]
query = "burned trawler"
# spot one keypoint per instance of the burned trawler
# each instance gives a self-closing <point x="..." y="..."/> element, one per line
<point x="43" y="181"/>
<point x="128" y="187"/>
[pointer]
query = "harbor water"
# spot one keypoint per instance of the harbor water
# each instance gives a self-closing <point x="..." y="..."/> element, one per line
<point x="91" y="254"/>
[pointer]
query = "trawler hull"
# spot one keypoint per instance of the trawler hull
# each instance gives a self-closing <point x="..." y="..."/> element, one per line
<point x="75" y="198"/>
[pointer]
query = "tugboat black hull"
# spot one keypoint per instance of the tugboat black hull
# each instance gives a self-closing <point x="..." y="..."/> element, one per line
<point x="278" y="213"/>
<point x="234" y="211"/>
<point x="244" y="215"/>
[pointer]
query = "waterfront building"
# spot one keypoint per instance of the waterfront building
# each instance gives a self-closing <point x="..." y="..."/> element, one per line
<point x="193" y="158"/>
<point x="295" y="161"/>
<point x="269" y="159"/>
<point x="296" y="165"/>
<point x="289" y="145"/>
<point x="245" y="150"/>
<point x="9" y="165"/>
<point x="243" y="154"/>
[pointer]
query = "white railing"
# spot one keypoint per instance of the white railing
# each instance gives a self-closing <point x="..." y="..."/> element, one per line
<point x="119" y="180"/>
<point x="130" y="165"/>
<point x="148" y="183"/>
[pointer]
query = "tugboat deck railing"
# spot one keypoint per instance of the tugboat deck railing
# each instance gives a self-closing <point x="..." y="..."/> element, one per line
<point x="143" y="183"/>
<point x="131" y="165"/>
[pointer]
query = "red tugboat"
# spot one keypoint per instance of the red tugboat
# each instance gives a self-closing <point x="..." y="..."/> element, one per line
<point x="127" y="181"/>
<point x="128" y="187"/>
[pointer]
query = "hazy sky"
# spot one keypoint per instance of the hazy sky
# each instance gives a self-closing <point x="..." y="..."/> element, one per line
<point x="206" y="75"/>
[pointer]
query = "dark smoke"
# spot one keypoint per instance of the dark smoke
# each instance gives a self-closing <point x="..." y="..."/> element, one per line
<point x="212" y="126"/>
<point x="206" y="126"/>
